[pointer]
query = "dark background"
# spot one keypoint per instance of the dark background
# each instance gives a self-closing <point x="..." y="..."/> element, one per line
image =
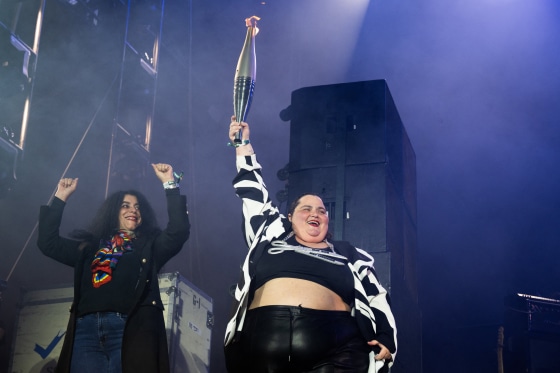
<point x="476" y="85"/>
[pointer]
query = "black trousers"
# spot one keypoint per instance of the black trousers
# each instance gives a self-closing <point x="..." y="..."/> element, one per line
<point x="281" y="339"/>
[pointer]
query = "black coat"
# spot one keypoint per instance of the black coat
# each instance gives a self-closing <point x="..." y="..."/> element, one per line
<point x="144" y="348"/>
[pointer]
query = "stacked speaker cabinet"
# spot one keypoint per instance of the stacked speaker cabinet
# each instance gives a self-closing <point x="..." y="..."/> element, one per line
<point x="532" y="334"/>
<point x="348" y="145"/>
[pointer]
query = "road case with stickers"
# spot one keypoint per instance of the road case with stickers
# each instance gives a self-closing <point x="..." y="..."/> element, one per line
<point x="189" y="320"/>
<point x="44" y="313"/>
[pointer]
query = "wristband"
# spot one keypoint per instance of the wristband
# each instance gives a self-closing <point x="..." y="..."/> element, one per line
<point x="245" y="142"/>
<point x="172" y="184"/>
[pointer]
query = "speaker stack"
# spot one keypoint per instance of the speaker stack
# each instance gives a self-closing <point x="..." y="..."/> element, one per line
<point x="348" y="145"/>
<point x="532" y="334"/>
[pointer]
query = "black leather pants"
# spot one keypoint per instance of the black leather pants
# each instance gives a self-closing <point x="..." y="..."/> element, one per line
<point x="280" y="339"/>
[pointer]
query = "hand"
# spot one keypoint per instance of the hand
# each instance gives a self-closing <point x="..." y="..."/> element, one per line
<point x="65" y="188"/>
<point x="163" y="171"/>
<point x="235" y="127"/>
<point x="384" y="354"/>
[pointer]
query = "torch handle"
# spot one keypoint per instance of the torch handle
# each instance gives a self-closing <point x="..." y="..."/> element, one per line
<point x="242" y="98"/>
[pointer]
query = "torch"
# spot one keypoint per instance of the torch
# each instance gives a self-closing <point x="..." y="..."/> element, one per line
<point x="245" y="75"/>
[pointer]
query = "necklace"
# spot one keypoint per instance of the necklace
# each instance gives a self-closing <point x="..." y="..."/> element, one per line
<point x="326" y="254"/>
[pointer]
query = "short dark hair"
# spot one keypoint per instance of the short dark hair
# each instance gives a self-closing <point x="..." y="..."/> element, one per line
<point x="297" y="201"/>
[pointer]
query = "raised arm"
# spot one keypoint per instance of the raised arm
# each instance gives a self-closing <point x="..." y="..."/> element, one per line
<point x="170" y="241"/>
<point x="65" y="188"/>
<point x="258" y="209"/>
<point x="245" y="148"/>
<point x="49" y="241"/>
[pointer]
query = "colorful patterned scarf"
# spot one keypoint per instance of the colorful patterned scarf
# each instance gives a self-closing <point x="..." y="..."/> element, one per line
<point x="108" y="256"/>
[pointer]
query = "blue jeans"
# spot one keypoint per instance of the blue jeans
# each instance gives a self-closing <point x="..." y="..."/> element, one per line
<point x="97" y="343"/>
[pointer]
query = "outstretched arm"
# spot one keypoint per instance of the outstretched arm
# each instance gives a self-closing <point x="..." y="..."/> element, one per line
<point x="245" y="148"/>
<point x="65" y="188"/>
<point x="170" y="241"/>
<point x="49" y="241"/>
<point x="164" y="172"/>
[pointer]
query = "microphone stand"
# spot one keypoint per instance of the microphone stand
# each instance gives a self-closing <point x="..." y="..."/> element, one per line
<point x="3" y="286"/>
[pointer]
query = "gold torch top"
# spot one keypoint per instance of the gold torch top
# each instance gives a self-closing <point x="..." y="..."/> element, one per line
<point x="252" y="22"/>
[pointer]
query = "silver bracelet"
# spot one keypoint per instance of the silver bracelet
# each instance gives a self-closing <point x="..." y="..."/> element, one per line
<point x="172" y="184"/>
<point x="237" y="145"/>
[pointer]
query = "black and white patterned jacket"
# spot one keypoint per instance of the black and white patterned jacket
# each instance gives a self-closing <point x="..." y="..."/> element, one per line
<point x="263" y="223"/>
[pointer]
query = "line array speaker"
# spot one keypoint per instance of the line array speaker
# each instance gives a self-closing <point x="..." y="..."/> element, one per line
<point x="349" y="146"/>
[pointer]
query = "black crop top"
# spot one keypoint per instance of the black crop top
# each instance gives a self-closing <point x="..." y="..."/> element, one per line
<point x="289" y="263"/>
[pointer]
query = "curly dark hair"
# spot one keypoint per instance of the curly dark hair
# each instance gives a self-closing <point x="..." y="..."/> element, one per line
<point x="106" y="221"/>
